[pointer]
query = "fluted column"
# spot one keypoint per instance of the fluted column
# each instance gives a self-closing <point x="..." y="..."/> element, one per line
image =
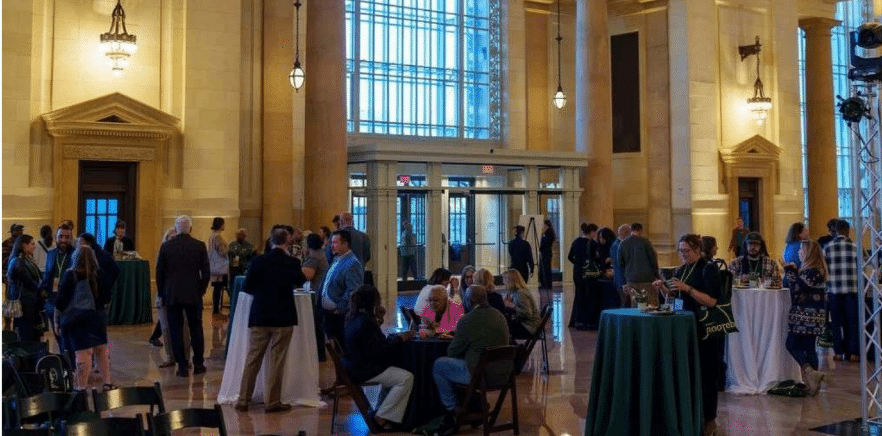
<point x="594" y="110"/>
<point x="823" y="198"/>
<point x="325" y="169"/>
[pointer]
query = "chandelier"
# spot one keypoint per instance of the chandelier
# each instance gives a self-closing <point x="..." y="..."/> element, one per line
<point x="296" y="76"/>
<point x="118" y="46"/>
<point x="559" y="99"/>
<point x="759" y="104"/>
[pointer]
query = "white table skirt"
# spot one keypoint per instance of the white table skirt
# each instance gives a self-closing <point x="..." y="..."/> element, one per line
<point x="756" y="356"/>
<point x="301" y="371"/>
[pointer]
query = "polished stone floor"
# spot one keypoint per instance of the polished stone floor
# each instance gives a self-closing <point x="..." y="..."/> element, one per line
<point x="553" y="405"/>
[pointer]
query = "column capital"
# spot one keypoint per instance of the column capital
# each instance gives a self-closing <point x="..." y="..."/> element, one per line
<point x="818" y="25"/>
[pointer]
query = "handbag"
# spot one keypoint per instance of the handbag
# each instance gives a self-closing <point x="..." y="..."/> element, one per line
<point x="12" y="308"/>
<point x="825" y="339"/>
<point x="717" y="321"/>
<point x="590" y="271"/>
<point x="81" y="306"/>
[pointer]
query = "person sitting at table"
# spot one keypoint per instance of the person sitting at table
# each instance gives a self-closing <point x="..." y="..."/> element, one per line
<point x="696" y="283"/>
<point x="808" y="313"/>
<point x="520" y="306"/>
<point x="482" y="328"/>
<point x="483" y="277"/>
<point x="240" y="253"/>
<point x="442" y="313"/>
<point x="466" y="277"/>
<point x="119" y="242"/>
<point x="440" y="277"/>
<point x="755" y="260"/>
<point x="369" y="356"/>
<point x="271" y="280"/>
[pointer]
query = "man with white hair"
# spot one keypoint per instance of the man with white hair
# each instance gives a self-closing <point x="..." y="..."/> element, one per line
<point x="182" y="275"/>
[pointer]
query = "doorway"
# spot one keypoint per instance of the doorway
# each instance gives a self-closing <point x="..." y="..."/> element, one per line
<point x="748" y="202"/>
<point x="107" y="194"/>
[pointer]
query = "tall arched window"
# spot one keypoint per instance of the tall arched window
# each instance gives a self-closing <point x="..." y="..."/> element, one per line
<point x="425" y="68"/>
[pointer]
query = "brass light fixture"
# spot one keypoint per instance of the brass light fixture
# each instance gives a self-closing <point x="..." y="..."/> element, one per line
<point x="118" y="46"/>
<point x="759" y="104"/>
<point x="559" y="99"/>
<point x="296" y="76"/>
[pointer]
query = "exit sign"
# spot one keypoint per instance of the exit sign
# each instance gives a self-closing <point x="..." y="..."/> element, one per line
<point x="486" y="169"/>
<point x="404" y="179"/>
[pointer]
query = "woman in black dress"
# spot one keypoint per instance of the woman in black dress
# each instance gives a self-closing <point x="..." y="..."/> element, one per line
<point x="697" y="283"/>
<point x="23" y="278"/>
<point x="584" y="304"/>
<point x="85" y="331"/>
<point x="546" y="245"/>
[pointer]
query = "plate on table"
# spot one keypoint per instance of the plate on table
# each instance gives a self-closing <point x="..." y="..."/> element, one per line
<point x="740" y="287"/>
<point x="660" y="312"/>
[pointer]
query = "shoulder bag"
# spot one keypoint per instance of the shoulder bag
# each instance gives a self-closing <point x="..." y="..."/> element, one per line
<point x="718" y="321"/>
<point x="590" y="271"/>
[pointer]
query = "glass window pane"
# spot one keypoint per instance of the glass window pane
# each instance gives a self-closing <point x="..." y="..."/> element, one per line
<point x="90" y="206"/>
<point x="102" y="206"/>
<point x="112" y="205"/>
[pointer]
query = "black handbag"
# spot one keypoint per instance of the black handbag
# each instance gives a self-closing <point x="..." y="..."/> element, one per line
<point x="590" y="271"/>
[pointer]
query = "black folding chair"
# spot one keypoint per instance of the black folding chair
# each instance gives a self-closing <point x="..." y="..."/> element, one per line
<point x="165" y="423"/>
<point x="115" y="426"/>
<point x="479" y="386"/>
<point x="129" y="396"/>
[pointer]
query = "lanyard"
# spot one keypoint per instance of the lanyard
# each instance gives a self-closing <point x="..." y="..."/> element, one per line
<point x="60" y="264"/>
<point x="686" y="276"/>
<point x="754" y="269"/>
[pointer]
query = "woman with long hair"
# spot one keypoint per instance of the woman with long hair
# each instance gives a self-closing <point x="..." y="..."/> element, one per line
<point x="521" y="310"/>
<point x="466" y="277"/>
<point x="23" y="279"/>
<point x="808" y="311"/>
<point x="84" y="331"/>
<point x="220" y="264"/>
<point x="483" y="277"/>
<point x="696" y="283"/>
<point x="546" y="246"/>
<point x="797" y="233"/>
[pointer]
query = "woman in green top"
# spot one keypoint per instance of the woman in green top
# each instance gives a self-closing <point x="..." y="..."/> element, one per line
<point x="520" y="306"/>
<point x="696" y="283"/>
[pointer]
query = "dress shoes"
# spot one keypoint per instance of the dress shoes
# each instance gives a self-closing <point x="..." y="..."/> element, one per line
<point x="183" y="372"/>
<point x="155" y="342"/>
<point x="241" y="406"/>
<point x="278" y="408"/>
<point x="199" y="369"/>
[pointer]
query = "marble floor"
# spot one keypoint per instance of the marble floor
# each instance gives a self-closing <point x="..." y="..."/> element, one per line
<point x="552" y="405"/>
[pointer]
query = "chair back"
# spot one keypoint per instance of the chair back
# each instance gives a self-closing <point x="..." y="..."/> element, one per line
<point x="492" y="356"/>
<point x="343" y="380"/>
<point x="415" y="318"/>
<point x="527" y="348"/>
<point x="28" y="432"/>
<point x="129" y="396"/>
<point x="164" y="424"/>
<point x="115" y="426"/>
<point x="48" y="406"/>
<point x="406" y="316"/>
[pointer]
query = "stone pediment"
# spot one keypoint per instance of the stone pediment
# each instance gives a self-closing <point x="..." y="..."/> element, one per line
<point x="112" y="115"/>
<point x="753" y="148"/>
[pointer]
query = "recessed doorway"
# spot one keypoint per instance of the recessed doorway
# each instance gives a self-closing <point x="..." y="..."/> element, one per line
<point x="106" y="195"/>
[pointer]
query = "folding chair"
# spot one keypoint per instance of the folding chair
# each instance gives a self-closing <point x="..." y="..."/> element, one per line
<point x="165" y="423"/>
<point x="480" y="387"/>
<point x="344" y="385"/>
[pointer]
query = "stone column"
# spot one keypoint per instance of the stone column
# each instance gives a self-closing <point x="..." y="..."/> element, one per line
<point x="278" y="37"/>
<point x="325" y="169"/>
<point x="382" y="229"/>
<point x="823" y="198"/>
<point x="434" y="219"/>
<point x="594" y="110"/>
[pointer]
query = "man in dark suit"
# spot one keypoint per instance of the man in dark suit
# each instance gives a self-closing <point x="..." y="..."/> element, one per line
<point x="521" y="254"/>
<point x="182" y="275"/>
<point x="271" y="279"/>
<point x="119" y="242"/>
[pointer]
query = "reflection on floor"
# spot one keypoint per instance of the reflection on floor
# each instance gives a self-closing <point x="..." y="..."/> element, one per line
<point x="553" y="405"/>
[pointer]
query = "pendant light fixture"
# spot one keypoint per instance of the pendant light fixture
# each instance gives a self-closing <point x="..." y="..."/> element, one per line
<point x="560" y="99"/>
<point x="759" y="104"/>
<point x="117" y="44"/>
<point x="296" y="76"/>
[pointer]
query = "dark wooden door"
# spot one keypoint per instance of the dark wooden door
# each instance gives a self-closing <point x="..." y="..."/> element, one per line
<point x="749" y="202"/>
<point x="107" y="194"/>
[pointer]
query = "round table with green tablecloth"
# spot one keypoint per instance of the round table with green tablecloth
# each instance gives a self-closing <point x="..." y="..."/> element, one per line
<point x="646" y="378"/>
<point x="130" y="301"/>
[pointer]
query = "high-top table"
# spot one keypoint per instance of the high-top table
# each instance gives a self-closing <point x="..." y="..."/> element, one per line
<point x="130" y="299"/>
<point x="756" y="356"/>
<point x="301" y="374"/>
<point x="646" y="378"/>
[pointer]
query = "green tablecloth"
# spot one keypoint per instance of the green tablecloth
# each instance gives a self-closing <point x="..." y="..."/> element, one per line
<point x="646" y="378"/>
<point x="130" y="302"/>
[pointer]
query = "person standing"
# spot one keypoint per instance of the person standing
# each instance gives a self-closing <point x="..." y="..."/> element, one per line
<point x="842" y="294"/>
<point x="182" y="275"/>
<point x="119" y="242"/>
<point x="408" y="250"/>
<point x="831" y="228"/>
<point x="639" y="261"/>
<point x="220" y="264"/>
<point x="344" y="277"/>
<point x="546" y="248"/>
<point x="22" y="279"/>
<point x="44" y="244"/>
<point x="756" y="261"/>
<point x="271" y="280"/>
<point x="798" y="232"/>
<point x="737" y="240"/>
<point x="15" y="231"/>
<point x="57" y="262"/>
<point x="361" y="245"/>
<point x="521" y="254"/>
<point x="314" y="268"/>
<point x="240" y="254"/>
<point x="583" y="249"/>
<point x="624" y="231"/>
<point x="162" y="313"/>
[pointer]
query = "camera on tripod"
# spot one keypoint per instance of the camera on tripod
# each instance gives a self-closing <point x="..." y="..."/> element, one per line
<point x="868" y="36"/>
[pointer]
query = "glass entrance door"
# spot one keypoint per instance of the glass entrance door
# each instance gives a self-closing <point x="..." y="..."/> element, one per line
<point x="411" y="210"/>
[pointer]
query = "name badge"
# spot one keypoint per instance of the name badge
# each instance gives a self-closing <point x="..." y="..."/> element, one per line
<point x="678" y="304"/>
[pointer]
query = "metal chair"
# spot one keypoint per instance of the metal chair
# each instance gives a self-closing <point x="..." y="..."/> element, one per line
<point x="115" y="426"/>
<point x="344" y="385"/>
<point x="480" y="387"/>
<point x="526" y="349"/>
<point x="164" y="424"/>
<point x="129" y="396"/>
<point x="48" y="407"/>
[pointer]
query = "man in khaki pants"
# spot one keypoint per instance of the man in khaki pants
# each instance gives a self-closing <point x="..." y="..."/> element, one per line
<point x="271" y="279"/>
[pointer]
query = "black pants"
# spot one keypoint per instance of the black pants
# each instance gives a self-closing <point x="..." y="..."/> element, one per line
<point x="708" y="354"/>
<point x="176" y="330"/>
<point x="334" y="326"/>
<point x="318" y="314"/>
<point x="157" y="332"/>
<point x="545" y="272"/>
<point x="802" y="348"/>
<point x="408" y="264"/>
<point x="217" y="293"/>
<point x="586" y="306"/>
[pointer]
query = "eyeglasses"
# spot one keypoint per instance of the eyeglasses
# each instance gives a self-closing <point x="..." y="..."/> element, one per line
<point x="684" y="250"/>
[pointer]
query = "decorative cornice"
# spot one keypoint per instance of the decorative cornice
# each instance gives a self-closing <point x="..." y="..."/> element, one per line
<point x="755" y="148"/>
<point x="118" y="130"/>
<point x="97" y="152"/>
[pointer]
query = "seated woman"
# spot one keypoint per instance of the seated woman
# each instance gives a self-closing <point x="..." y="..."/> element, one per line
<point x="442" y="313"/>
<point x="520" y="306"/>
<point x="441" y="277"/>
<point x="485" y="278"/>
<point x="369" y="356"/>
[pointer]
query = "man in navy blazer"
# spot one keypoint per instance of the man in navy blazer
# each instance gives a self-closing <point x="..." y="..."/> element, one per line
<point x="271" y="279"/>
<point x="182" y="274"/>
<point x="344" y="277"/>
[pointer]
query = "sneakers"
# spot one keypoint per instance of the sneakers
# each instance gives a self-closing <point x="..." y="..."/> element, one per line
<point x="813" y="379"/>
<point x="155" y="342"/>
<point x="448" y="425"/>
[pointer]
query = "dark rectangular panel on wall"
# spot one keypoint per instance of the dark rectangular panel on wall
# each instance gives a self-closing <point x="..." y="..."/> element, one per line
<point x="625" y="58"/>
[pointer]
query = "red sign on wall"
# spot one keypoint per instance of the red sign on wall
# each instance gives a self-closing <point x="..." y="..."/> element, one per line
<point x="486" y="169"/>
<point x="404" y="179"/>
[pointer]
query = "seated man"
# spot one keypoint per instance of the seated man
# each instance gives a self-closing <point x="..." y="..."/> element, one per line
<point x="756" y="260"/>
<point x="483" y="327"/>
<point x="442" y="314"/>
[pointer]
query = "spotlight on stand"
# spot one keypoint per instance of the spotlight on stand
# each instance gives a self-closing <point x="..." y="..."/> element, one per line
<point x="868" y="36"/>
<point x="853" y="109"/>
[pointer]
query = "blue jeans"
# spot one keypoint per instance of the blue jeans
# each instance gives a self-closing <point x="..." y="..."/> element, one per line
<point x="447" y="371"/>
<point x="844" y="319"/>
<point x="802" y="348"/>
